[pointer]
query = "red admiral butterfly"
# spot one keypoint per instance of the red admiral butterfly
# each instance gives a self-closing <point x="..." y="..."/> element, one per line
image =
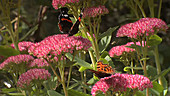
<point x="103" y="70"/>
<point x="65" y="24"/>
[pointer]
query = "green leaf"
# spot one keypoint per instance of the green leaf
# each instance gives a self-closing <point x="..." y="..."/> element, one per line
<point x="79" y="61"/>
<point x="50" y="84"/>
<point x="136" y="47"/>
<point x="6" y="90"/>
<point x="164" y="83"/>
<point x="74" y="85"/>
<point x="72" y="92"/>
<point x="166" y="92"/>
<point x="157" y="88"/>
<point x="8" y="51"/>
<point x="69" y="63"/>
<point x="108" y="32"/>
<point x="16" y="94"/>
<point x="168" y="25"/>
<point x="81" y="69"/>
<point x="139" y="93"/>
<point x="104" y="42"/>
<point x="91" y="81"/>
<point x="100" y="94"/>
<point x="163" y="73"/>
<point x="154" y="40"/>
<point x="53" y="93"/>
<point x="29" y="32"/>
<point x="133" y="46"/>
<point x="152" y="72"/>
<point x="4" y="30"/>
<point x="104" y="54"/>
<point x="103" y="60"/>
<point x="108" y="58"/>
<point x="105" y="39"/>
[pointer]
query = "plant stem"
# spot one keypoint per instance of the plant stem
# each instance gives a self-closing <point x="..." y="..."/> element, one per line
<point x="132" y="66"/>
<point x="95" y="48"/>
<point x="17" y="31"/>
<point x="151" y="7"/>
<point x="59" y="79"/>
<point x="133" y="7"/>
<point x="82" y="79"/>
<point x="145" y="50"/>
<point x="5" y="10"/>
<point x="62" y="69"/>
<point x="160" y="6"/>
<point x="69" y="76"/>
<point x="140" y="7"/>
<point x="158" y="65"/>
<point x="85" y="81"/>
<point x="92" y="58"/>
<point x="70" y="70"/>
<point x="64" y="85"/>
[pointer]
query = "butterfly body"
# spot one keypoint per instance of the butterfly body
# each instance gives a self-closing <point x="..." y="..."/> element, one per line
<point x="66" y="25"/>
<point x="103" y="70"/>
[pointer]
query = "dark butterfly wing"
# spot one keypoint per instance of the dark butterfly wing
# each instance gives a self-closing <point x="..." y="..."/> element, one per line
<point x="75" y="28"/>
<point x="65" y="25"/>
<point x="100" y="74"/>
<point x="65" y="22"/>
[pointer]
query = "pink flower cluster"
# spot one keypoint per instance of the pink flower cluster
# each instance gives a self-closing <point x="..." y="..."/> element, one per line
<point x="26" y="78"/>
<point x="56" y="3"/>
<point x="138" y="82"/>
<point x="23" y="46"/>
<point x="39" y="63"/>
<point x="120" y="82"/>
<point x="57" y="44"/>
<point x="94" y="11"/>
<point x="18" y="59"/>
<point x="143" y="26"/>
<point x="118" y="50"/>
<point x="116" y="82"/>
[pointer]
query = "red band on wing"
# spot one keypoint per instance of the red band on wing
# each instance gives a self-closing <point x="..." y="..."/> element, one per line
<point x="79" y="18"/>
<point x="66" y="20"/>
<point x="60" y="27"/>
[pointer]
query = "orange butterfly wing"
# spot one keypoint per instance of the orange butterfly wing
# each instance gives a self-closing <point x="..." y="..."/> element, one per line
<point x="103" y="70"/>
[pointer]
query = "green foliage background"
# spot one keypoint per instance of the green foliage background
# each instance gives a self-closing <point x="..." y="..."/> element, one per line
<point x="119" y="14"/>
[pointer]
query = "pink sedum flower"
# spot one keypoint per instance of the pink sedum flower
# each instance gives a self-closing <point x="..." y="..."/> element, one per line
<point x="56" y="3"/>
<point x="57" y="44"/>
<point x="143" y="26"/>
<point x="26" y="78"/>
<point x="23" y="46"/>
<point x="39" y="63"/>
<point x="138" y="82"/>
<point x="117" y="82"/>
<point x="94" y="11"/>
<point x="120" y="82"/>
<point x="18" y="59"/>
<point x="119" y="50"/>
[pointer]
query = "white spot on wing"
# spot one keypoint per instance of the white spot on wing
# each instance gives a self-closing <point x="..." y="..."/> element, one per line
<point x="65" y="15"/>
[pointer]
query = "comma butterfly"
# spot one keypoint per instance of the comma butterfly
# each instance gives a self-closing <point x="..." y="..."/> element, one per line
<point x="103" y="70"/>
